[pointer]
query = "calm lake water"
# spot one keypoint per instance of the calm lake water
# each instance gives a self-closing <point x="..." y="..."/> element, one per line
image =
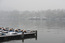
<point x="47" y="32"/>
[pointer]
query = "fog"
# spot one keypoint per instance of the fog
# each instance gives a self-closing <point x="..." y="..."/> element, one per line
<point x="46" y="18"/>
<point x="31" y="5"/>
<point x="48" y="12"/>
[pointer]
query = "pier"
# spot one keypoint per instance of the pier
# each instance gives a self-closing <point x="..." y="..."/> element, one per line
<point x="4" y="35"/>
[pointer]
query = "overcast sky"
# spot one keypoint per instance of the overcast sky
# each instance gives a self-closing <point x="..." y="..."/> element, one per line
<point x="31" y="5"/>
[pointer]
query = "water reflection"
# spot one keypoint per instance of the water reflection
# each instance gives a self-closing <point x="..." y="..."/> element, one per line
<point x="17" y="38"/>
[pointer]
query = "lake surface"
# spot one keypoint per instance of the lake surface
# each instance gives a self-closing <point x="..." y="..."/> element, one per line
<point x="47" y="31"/>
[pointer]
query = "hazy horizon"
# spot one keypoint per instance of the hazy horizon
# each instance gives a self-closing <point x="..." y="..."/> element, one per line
<point x="31" y="5"/>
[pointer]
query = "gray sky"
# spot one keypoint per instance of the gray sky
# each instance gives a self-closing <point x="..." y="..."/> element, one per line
<point x="31" y="5"/>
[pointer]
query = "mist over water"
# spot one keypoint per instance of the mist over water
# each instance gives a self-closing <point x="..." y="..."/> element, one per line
<point x="27" y="19"/>
<point x="49" y="24"/>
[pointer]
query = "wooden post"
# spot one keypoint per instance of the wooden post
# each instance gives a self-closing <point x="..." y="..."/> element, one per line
<point x="36" y="32"/>
<point x="36" y="35"/>
<point x="22" y="34"/>
<point x="22" y="37"/>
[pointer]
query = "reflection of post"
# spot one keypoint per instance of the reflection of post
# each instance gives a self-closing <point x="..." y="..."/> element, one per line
<point x="23" y="40"/>
<point x="36" y="35"/>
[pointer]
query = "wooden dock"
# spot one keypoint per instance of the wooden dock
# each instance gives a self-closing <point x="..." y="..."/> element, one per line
<point x="22" y="35"/>
<point x="6" y="32"/>
<point x="6" y="39"/>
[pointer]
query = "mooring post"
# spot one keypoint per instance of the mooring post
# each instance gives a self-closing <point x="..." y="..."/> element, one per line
<point x="22" y="34"/>
<point x="22" y="37"/>
<point x="36" y="34"/>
